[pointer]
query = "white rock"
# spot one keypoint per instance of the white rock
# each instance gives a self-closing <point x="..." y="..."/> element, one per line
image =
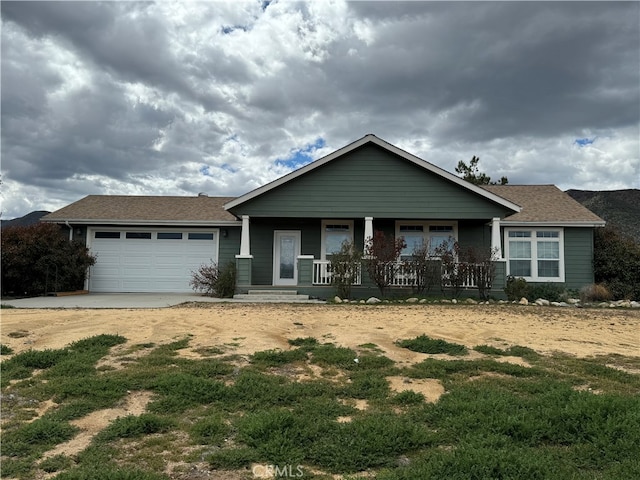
<point x="523" y="301"/>
<point x="454" y="301"/>
<point x="542" y="302"/>
<point x="556" y="304"/>
<point x="424" y="300"/>
<point x="373" y="300"/>
<point x="573" y="301"/>
<point x="337" y="299"/>
<point x="635" y="305"/>
<point x="471" y="301"/>
<point x="412" y="300"/>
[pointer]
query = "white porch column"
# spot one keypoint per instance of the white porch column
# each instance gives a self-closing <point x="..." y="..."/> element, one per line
<point x="495" y="239"/>
<point x="245" y="248"/>
<point x="368" y="229"/>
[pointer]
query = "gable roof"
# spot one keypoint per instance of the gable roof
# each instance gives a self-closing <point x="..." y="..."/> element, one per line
<point x="372" y="139"/>
<point x="545" y="205"/>
<point x="145" y="210"/>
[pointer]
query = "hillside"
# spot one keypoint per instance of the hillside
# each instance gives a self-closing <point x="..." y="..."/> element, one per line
<point x="620" y="208"/>
<point x="28" y="219"/>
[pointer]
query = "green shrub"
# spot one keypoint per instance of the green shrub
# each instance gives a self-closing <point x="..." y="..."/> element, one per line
<point x="233" y="458"/>
<point x="39" y="435"/>
<point x="424" y="344"/>
<point x="616" y="263"/>
<point x="516" y="288"/>
<point x="272" y="358"/>
<point x="305" y="343"/>
<point x="109" y="473"/>
<point x="210" y="430"/>
<point x="5" y="349"/>
<point x="132" y="426"/>
<point x="56" y="463"/>
<point x="40" y="258"/>
<point x="554" y="292"/>
<point x="408" y="397"/>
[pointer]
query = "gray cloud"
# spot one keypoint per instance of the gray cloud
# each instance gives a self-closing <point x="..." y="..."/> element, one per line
<point x="142" y="98"/>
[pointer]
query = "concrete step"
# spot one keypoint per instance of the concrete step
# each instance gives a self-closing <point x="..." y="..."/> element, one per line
<point x="272" y="292"/>
<point x="271" y="298"/>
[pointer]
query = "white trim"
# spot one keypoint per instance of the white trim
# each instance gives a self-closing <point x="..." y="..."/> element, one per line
<point x="245" y="238"/>
<point x="323" y="236"/>
<point x="496" y="247"/>
<point x="534" y="255"/>
<point x="370" y="138"/>
<point x="276" y="258"/>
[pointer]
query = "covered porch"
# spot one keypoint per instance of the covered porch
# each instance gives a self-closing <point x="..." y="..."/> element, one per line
<point x="298" y="255"/>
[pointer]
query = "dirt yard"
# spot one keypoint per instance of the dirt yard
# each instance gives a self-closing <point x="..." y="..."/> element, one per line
<point x="246" y="328"/>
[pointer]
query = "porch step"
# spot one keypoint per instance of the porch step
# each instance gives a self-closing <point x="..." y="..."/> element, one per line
<point x="271" y="296"/>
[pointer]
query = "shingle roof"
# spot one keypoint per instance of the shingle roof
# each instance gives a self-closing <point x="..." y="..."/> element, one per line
<point x="544" y="204"/>
<point x="143" y="209"/>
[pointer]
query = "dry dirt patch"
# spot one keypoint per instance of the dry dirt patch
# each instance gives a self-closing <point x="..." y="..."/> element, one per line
<point x="253" y="327"/>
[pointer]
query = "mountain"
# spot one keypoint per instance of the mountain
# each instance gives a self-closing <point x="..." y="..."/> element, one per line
<point x="28" y="219"/>
<point x="620" y="208"/>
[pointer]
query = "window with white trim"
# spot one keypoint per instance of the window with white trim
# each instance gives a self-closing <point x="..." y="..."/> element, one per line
<point x="535" y="254"/>
<point x="334" y="234"/>
<point x="418" y="234"/>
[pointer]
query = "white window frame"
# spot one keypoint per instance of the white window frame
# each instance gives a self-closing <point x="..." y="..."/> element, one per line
<point x="426" y="237"/>
<point x="325" y="222"/>
<point x="534" y="252"/>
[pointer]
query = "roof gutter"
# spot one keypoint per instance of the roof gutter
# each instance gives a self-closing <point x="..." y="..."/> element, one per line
<point x="514" y="223"/>
<point x="168" y="223"/>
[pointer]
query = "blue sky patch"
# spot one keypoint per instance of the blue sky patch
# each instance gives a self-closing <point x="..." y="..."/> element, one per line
<point x="583" y="142"/>
<point x="301" y="156"/>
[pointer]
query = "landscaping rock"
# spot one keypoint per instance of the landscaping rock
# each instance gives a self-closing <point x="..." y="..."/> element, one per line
<point x="542" y="302"/>
<point x="337" y="299"/>
<point x="635" y="305"/>
<point x="523" y="301"/>
<point x="470" y="301"/>
<point x="573" y="301"/>
<point x="454" y="301"/>
<point x="373" y="300"/>
<point x="412" y="300"/>
<point x="424" y="300"/>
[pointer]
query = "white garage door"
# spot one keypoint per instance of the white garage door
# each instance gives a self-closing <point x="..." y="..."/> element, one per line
<point x="149" y="260"/>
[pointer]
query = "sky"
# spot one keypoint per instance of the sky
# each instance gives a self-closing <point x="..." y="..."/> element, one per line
<point x="177" y="98"/>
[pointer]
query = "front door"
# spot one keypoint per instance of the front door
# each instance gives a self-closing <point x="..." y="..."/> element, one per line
<point x="286" y="249"/>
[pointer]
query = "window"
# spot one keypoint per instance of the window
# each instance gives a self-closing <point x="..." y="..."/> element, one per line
<point x="169" y="236"/>
<point x="535" y="254"/>
<point x="107" y="235"/>
<point x="334" y="234"/>
<point x="200" y="236"/>
<point x="439" y="235"/>
<point x="417" y="234"/>
<point x="139" y="235"/>
<point x="413" y="237"/>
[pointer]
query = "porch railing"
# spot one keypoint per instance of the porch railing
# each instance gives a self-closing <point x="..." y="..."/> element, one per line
<point x="322" y="273"/>
<point x="407" y="274"/>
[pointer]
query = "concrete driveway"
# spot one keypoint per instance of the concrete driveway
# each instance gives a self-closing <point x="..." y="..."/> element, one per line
<point x="113" y="300"/>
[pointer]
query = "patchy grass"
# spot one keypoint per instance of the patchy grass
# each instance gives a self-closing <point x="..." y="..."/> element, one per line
<point x="424" y="344"/>
<point x="562" y="417"/>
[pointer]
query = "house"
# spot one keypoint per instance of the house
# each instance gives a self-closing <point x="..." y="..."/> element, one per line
<point x="282" y="235"/>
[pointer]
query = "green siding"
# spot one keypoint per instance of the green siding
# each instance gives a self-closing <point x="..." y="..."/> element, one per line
<point x="229" y="246"/>
<point x="371" y="181"/>
<point x="578" y="257"/>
